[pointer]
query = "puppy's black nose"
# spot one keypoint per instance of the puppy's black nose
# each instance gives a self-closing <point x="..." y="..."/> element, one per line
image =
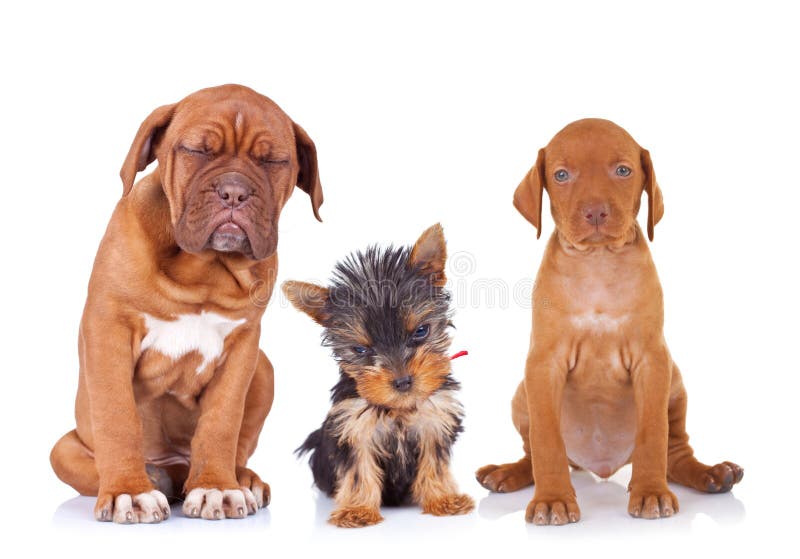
<point x="232" y="193"/>
<point x="403" y="384"/>
<point x="596" y="214"/>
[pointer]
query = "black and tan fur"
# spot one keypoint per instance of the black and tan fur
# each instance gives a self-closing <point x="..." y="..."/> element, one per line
<point x="394" y="416"/>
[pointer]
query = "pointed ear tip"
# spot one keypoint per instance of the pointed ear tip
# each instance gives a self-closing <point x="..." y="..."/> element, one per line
<point x="434" y="232"/>
<point x="435" y="229"/>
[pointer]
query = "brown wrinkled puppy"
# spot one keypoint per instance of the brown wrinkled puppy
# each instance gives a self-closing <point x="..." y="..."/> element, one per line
<point x="600" y="388"/>
<point x="173" y="389"/>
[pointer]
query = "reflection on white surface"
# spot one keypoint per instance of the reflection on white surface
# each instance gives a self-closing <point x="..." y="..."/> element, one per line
<point x="604" y="506"/>
<point x="603" y="512"/>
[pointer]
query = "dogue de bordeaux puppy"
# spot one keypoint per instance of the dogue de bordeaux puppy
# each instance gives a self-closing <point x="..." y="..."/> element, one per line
<point x="600" y="389"/>
<point x="173" y="389"/>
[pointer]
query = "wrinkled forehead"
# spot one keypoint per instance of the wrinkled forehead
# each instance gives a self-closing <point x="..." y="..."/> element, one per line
<point x="245" y="115"/>
<point x="591" y="141"/>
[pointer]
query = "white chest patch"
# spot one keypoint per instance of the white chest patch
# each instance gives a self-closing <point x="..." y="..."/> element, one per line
<point x="204" y="333"/>
<point x="598" y="322"/>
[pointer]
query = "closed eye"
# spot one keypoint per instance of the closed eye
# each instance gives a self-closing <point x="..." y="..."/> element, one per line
<point x="273" y="160"/>
<point x="200" y="152"/>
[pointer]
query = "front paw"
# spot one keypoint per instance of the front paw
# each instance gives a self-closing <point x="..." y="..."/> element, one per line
<point x="355" y="517"/>
<point x="652" y="503"/>
<point x="555" y="511"/>
<point x="449" y="505"/>
<point x="125" y="508"/>
<point x="215" y="504"/>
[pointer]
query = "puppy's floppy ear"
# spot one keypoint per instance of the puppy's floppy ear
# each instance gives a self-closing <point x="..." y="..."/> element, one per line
<point x="528" y="196"/>
<point x="142" y="151"/>
<point x="655" y="200"/>
<point x="310" y="298"/>
<point x="308" y="177"/>
<point x="430" y="254"/>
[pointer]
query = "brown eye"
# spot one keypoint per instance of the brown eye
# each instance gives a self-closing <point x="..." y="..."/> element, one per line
<point x="623" y="171"/>
<point x="561" y="175"/>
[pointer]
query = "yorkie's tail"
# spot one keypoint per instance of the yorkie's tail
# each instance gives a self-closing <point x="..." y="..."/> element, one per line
<point x="323" y="457"/>
<point x="310" y="444"/>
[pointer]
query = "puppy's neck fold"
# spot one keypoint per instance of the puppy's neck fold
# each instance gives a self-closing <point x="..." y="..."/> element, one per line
<point x="631" y="241"/>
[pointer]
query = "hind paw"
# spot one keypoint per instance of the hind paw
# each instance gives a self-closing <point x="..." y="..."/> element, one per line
<point x="506" y="477"/>
<point x="256" y="492"/>
<point x="722" y="477"/>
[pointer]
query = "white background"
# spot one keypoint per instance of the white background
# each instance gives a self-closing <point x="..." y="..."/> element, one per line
<point x="421" y="112"/>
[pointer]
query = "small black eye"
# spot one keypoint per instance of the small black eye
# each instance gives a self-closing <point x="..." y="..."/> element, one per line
<point x="561" y="175"/>
<point x="360" y="349"/>
<point x="623" y="171"/>
<point x="420" y="333"/>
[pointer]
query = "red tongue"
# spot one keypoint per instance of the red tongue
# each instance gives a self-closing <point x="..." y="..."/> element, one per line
<point x="459" y="354"/>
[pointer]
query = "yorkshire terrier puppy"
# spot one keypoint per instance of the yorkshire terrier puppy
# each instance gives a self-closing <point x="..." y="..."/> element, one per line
<point x="394" y="414"/>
